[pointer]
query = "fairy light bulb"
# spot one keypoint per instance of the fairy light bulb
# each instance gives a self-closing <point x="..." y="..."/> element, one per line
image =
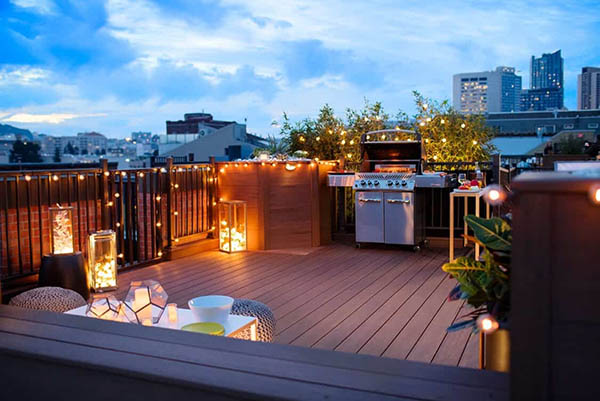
<point x="474" y="142"/>
<point x="594" y="193"/>
<point x="442" y="121"/>
<point x="463" y="125"/>
<point x="81" y="177"/>
<point x="318" y="138"/>
<point x="444" y="140"/>
<point x="55" y="177"/>
<point x="487" y="323"/>
<point x="27" y="178"/>
<point x="343" y="142"/>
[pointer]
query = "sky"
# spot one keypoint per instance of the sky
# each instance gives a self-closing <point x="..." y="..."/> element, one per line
<point x="119" y="66"/>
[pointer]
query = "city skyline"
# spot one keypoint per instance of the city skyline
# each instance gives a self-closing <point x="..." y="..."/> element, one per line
<point x="125" y="66"/>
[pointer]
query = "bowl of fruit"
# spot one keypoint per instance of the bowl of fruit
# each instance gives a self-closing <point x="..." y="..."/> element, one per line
<point x="472" y="185"/>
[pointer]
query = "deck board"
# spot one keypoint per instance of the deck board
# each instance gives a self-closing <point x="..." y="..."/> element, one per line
<point x="383" y="302"/>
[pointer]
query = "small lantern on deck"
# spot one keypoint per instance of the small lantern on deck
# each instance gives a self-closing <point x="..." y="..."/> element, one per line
<point x="104" y="307"/>
<point x="232" y="226"/>
<point x="102" y="260"/>
<point x="145" y="302"/>
<point x="61" y="229"/>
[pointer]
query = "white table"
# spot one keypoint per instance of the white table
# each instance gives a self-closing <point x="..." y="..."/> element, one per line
<point x="235" y="324"/>
<point x="465" y="195"/>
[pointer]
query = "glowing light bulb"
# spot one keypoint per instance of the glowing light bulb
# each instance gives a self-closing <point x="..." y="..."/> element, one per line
<point x="106" y="173"/>
<point x="158" y="198"/>
<point x="442" y="121"/>
<point x="444" y="140"/>
<point x="81" y="177"/>
<point x="435" y="157"/>
<point x="422" y="124"/>
<point x="158" y="224"/>
<point x="110" y="203"/>
<point x="349" y="155"/>
<point x="494" y="195"/>
<point x="463" y="125"/>
<point x="27" y="178"/>
<point x="142" y="175"/>
<point x="487" y="323"/>
<point x="318" y="138"/>
<point x="343" y="142"/>
<point x="352" y="142"/>
<point x="474" y="142"/>
<point x="222" y="170"/>
<point x="245" y="164"/>
<point x="159" y="254"/>
<point x="55" y="177"/>
<point x="117" y="194"/>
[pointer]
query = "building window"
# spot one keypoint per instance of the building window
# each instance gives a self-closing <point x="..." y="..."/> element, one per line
<point x="568" y="126"/>
<point x="593" y="125"/>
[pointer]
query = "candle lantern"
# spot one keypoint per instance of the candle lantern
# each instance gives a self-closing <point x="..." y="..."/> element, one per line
<point x="104" y="307"/>
<point x="102" y="260"/>
<point x="232" y="226"/>
<point x="61" y="230"/>
<point x="145" y="302"/>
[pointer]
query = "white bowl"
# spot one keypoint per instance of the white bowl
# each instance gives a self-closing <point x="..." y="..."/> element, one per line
<point x="211" y="308"/>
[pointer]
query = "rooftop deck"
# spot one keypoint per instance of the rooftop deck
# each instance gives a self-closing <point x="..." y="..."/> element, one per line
<point x="381" y="302"/>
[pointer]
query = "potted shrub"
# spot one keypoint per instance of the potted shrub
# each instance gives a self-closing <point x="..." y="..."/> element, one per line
<point x="485" y="286"/>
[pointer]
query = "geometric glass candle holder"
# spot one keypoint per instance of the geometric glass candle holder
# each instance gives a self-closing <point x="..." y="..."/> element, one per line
<point x="232" y="226"/>
<point x="104" y="307"/>
<point x="102" y="260"/>
<point x="61" y="229"/>
<point x="145" y="302"/>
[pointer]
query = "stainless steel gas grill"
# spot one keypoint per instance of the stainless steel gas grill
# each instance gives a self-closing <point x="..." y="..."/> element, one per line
<point x="389" y="210"/>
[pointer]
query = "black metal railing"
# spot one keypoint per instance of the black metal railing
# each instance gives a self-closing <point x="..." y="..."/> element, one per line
<point x="150" y="210"/>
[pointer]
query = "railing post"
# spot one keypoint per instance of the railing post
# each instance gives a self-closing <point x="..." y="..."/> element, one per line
<point x="212" y="196"/>
<point x="105" y="218"/>
<point x="169" y="183"/>
<point x="496" y="168"/>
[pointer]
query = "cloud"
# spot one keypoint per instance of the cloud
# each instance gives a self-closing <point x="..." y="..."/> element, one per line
<point x="54" y="118"/>
<point x="310" y="59"/>
<point x="169" y="82"/>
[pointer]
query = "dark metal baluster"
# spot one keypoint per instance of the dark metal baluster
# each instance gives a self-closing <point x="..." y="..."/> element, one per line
<point x="152" y="226"/>
<point x="78" y="200"/>
<point x="8" y="261"/>
<point x="28" y="192"/>
<point x="39" y="206"/>
<point x="129" y="210"/>
<point x="17" y="208"/>
<point x="145" y="219"/>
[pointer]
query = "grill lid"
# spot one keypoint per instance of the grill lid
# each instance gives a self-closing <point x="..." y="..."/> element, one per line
<point x="390" y="147"/>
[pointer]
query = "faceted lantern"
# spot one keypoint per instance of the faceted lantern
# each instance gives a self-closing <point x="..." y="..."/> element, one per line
<point x="232" y="226"/>
<point x="102" y="260"/>
<point x="145" y="302"/>
<point x="104" y="307"/>
<point x="61" y="230"/>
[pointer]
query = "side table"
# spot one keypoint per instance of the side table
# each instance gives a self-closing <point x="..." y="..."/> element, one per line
<point x="465" y="195"/>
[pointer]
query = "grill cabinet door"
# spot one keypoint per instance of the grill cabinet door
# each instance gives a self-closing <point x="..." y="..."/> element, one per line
<point x="369" y="216"/>
<point x="399" y="218"/>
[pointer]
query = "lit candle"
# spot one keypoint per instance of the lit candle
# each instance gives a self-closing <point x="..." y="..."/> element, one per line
<point x="172" y="312"/>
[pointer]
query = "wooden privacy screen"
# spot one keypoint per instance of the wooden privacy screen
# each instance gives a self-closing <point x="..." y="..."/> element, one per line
<point x="555" y="321"/>
<point x="288" y="203"/>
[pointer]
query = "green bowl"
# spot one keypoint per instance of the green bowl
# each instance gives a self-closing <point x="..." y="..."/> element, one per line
<point x="213" y="329"/>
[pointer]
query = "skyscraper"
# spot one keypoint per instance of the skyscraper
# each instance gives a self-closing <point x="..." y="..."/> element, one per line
<point x="588" y="88"/>
<point x="486" y="91"/>
<point x="546" y="86"/>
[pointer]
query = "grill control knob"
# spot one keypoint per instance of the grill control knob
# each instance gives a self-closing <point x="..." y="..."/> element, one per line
<point x="389" y="183"/>
<point x="397" y="183"/>
<point x="363" y="183"/>
<point x="369" y="182"/>
<point x="403" y="183"/>
<point x="376" y="183"/>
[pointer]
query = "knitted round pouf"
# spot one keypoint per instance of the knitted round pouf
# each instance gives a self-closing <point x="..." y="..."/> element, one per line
<point x="264" y="315"/>
<point x="53" y="299"/>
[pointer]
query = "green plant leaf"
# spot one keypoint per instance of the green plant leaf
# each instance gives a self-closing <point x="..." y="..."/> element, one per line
<point x="493" y="233"/>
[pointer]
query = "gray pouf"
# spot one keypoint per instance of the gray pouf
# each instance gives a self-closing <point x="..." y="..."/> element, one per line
<point x="264" y="315"/>
<point x="54" y="299"/>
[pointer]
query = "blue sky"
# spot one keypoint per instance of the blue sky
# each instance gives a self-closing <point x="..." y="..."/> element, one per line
<point x="119" y="66"/>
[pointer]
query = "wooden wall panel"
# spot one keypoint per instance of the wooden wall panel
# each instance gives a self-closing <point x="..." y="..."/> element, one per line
<point x="286" y="209"/>
<point x="555" y="323"/>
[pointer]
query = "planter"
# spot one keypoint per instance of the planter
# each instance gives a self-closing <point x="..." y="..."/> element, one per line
<point x="494" y="351"/>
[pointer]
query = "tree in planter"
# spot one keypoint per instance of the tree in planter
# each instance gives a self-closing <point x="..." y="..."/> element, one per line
<point x="484" y="284"/>
<point x="449" y="136"/>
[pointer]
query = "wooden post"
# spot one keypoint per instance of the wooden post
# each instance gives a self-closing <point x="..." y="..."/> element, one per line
<point x="169" y="185"/>
<point x="104" y="213"/>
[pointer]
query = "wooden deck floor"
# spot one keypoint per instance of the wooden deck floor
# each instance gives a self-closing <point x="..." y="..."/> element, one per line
<point x="370" y="301"/>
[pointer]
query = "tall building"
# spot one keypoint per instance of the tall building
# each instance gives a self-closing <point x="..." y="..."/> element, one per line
<point x="546" y="83"/>
<point x="588" y="88"/>
<point x="486" y="91"/>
